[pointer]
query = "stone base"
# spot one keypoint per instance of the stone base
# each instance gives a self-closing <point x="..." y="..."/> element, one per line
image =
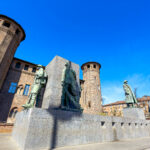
<point x="134" y="113"/>
<point x="37" y="129"/>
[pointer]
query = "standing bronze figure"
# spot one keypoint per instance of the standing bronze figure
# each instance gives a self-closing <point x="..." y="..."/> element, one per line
<point x="71" y="91"/>
<point x="39" y="82"/>
<point x="130" y="97"/>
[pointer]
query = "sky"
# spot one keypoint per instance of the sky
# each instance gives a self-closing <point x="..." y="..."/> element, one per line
<point x="114" y="33"/>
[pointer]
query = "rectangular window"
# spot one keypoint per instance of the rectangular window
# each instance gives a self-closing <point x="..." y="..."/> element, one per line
<point x="34" y="69"/>
<point x="26" y="67"/>
<point x="13" y="87"/>
<point x="26" y="90"/>
<point x="18" y="65"/>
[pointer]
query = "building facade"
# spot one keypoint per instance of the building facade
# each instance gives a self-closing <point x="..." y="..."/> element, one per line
<point x="11" y="34"/>
<point x="16" y="75"/>
<point x="16" y="88"/>
<point x="116" y="109"/>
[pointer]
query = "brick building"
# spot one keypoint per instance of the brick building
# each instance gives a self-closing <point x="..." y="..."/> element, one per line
<point x="115" y="109"/>
<point x="16" y="88"/>
<point x="16" y="75"/>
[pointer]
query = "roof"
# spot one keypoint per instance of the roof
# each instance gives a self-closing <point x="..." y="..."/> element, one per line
<point x="26" y="62"/>
<point x="115" y="103"/>
<point x="24" y="35"/>
<point x="91" y="62"/>
<point x="144" y="98"/>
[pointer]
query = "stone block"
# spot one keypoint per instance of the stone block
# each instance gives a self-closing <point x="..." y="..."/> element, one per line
<point x="53" y="90"/>
<point x="134" y="113"/>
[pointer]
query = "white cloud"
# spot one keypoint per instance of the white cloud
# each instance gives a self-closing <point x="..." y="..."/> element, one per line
<point x="113" y="91"/>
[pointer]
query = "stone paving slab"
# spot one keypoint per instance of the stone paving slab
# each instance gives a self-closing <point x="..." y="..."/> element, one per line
<point x="7" y="143"/>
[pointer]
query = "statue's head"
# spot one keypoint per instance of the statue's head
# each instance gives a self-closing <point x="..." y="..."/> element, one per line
<point x="39" y="66"/>
<point x="68" y="64"/>
<point x="125" y="81"/>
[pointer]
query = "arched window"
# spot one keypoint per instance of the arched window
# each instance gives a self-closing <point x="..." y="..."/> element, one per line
<point x="13" y="112"/>
<point x="89" y="104"/>
<point x="13" y="87"/>
<point x="94" y="66"/>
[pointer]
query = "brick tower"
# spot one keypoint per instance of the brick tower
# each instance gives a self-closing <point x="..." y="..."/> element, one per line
<point x="11" y="34"/>
<point x="91" y="100"/>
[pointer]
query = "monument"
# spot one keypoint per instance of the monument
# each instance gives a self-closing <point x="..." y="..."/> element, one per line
<point x="132" y="110"/>
<point x="71" y="91"/>
<point x="60" y="122"/>
<point x="63" y="82"/>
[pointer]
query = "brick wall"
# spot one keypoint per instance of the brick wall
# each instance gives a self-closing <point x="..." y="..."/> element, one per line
<point x="11" y="103"/>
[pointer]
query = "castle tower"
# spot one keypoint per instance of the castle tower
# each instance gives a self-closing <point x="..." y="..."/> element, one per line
<point x="91" y="100"/>
<point x="11" y="34"/>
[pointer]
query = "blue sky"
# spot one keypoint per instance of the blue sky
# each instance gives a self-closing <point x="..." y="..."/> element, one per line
<point x="114" y="33"/>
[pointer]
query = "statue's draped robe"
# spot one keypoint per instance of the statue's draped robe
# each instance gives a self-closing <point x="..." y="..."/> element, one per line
<point x="70" y="93"/>
<point x="130" y="97"/>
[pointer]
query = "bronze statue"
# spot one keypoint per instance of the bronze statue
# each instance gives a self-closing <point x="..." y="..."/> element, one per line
<point x="130" y="97"/>
<point x="39" y="82"/>
<point x="71" y="91"/>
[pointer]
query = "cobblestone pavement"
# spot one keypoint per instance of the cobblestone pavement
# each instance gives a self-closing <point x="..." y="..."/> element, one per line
<point x="7" y="143"/>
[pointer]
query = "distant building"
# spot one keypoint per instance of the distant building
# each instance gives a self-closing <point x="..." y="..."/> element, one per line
<point x="115" y="109"/>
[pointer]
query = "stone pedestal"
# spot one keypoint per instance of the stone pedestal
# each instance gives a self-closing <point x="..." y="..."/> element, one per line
<point x="137" y="113"/>
<point x="53" y="91"/>
<point x="37" y="129"/>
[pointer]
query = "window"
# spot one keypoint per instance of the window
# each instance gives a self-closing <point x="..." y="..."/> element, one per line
<point x="13" y="112"/>
<point x="94" y="66"/>
<point x="17" y="31"/>
<point x="89" y="104"/>
<point x="6" y="24"/>
<point x="18" y="65"/>
<point x="88" y="66"/>
<point x="12" y="88"/>
<point x="34" y="69"/>
<point x="26" y="90"/>
<point x="26" y="67"/>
